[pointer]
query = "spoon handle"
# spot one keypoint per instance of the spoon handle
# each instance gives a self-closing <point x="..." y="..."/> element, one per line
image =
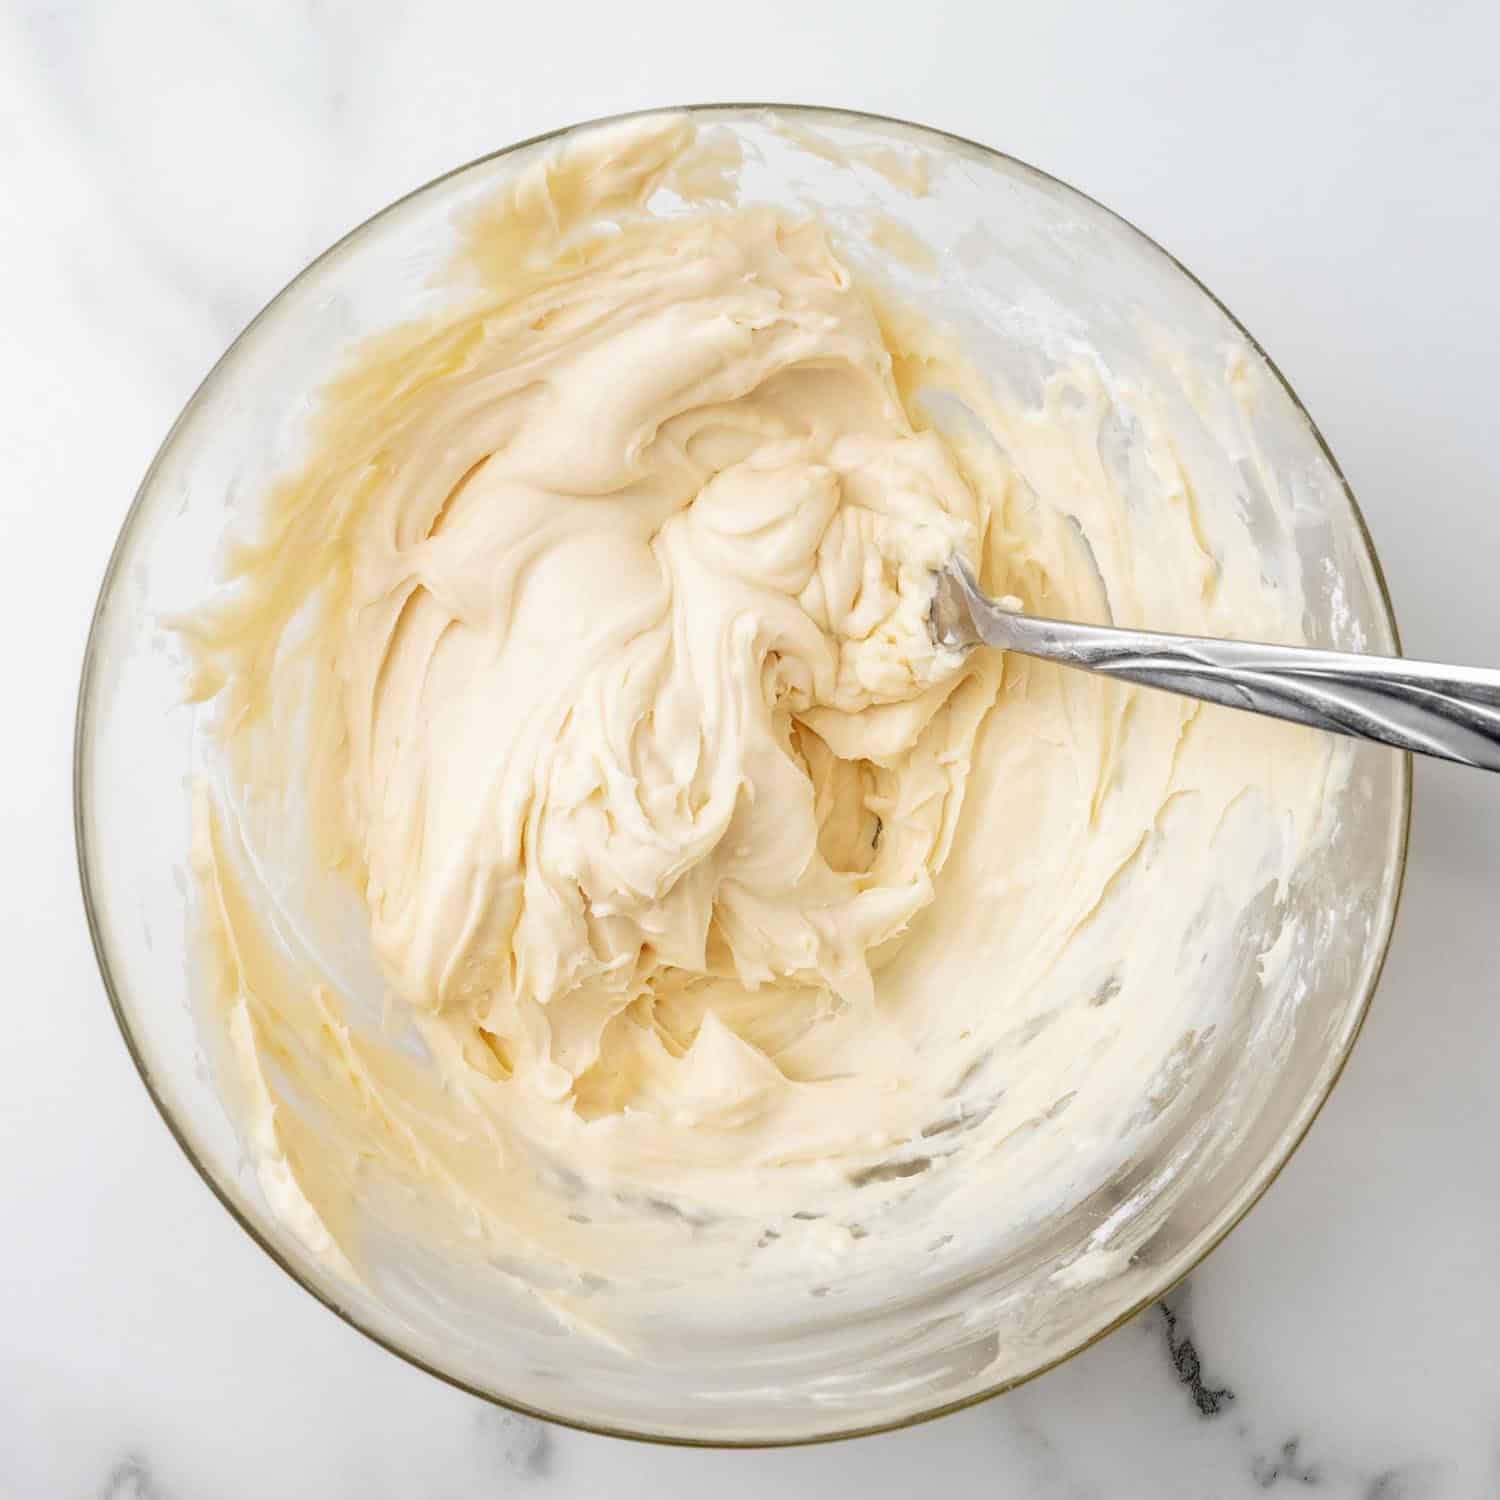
<point x="1449" y="712"/>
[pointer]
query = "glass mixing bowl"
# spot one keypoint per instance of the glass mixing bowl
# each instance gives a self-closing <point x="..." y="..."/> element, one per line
<point x="1022" y="265"/>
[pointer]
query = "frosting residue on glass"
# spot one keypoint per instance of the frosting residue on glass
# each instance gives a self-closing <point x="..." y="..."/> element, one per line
<point x="719" y="921"/>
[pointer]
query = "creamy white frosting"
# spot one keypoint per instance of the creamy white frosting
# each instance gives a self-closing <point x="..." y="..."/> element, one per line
<point x="590" y="645"/>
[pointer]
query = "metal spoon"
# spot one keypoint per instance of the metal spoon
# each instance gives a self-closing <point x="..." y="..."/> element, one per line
<point x="1450" y="712"/>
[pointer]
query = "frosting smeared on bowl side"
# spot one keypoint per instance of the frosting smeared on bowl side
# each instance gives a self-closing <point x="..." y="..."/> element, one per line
<point x="720" y="920"/>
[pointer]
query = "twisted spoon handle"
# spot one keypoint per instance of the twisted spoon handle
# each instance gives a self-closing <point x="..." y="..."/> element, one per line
<point x="1449" y="712"/>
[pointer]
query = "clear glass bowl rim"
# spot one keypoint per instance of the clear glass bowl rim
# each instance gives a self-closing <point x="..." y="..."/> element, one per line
<point x="1173" y="1272"/>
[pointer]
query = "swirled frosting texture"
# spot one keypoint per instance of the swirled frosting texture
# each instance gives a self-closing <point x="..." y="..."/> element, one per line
<point x="641" y="712"/>
<point x="591" y="645"/>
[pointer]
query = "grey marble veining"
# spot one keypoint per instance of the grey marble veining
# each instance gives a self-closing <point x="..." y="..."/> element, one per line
<point x="131" y="1479"/>
<point x="1333" y="172"/>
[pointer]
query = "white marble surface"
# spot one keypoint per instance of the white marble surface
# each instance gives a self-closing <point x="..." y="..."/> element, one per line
<point x="1333" y="171"/>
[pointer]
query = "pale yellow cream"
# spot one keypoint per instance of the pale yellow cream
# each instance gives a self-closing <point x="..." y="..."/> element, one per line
<point x="717" y="912"/>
